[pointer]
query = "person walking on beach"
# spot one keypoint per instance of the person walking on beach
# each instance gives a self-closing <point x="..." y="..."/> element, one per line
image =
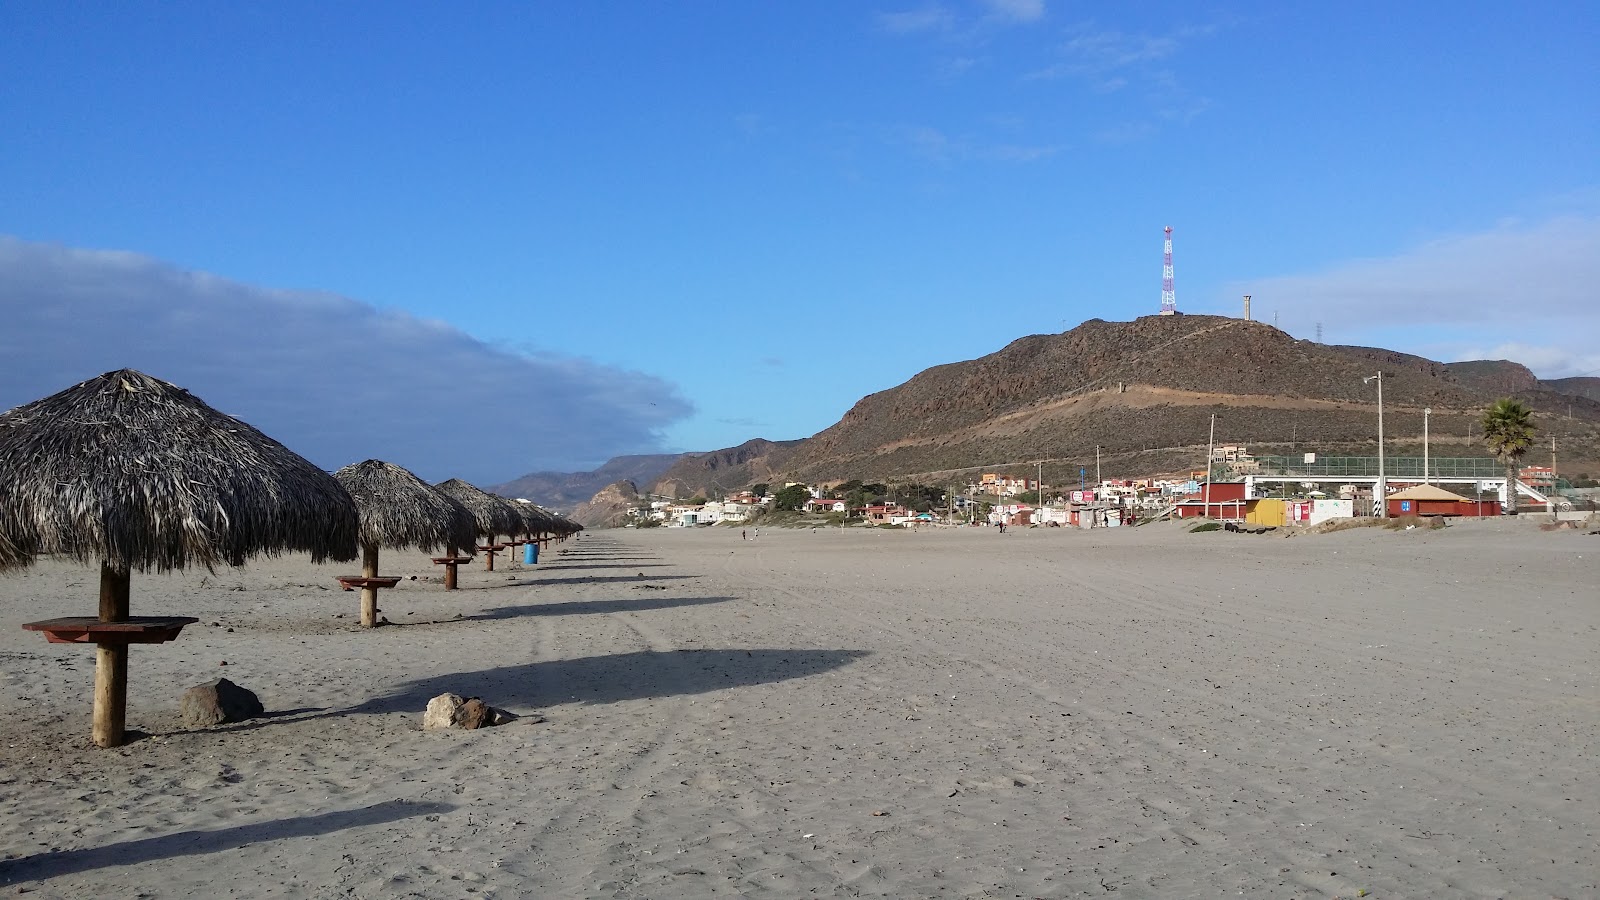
<point x="744" y="535"/>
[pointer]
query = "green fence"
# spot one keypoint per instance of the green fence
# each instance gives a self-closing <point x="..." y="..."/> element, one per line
<point x="1367" y="467"/>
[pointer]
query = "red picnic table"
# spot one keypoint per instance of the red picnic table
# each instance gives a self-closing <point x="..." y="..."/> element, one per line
<point x="90" y="630"/>
<point x="450" y="563"/>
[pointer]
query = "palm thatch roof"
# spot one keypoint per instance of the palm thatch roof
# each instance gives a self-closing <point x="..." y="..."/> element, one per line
<point x="556" y="523"/>
<point x="537" y="519"/>
<point x="400" y="510"/>
<point x="140" y="474"/>
<point x="494" y="515"/>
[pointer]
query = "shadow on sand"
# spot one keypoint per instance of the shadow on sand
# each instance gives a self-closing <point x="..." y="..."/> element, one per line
<point x="613" y="560"/>
<point x="599" y="579"/>
<point x="196" y="843"/>
<point x="607" y="679"/>
<point x="611" y="565"/>
<point x="588" y="607"/>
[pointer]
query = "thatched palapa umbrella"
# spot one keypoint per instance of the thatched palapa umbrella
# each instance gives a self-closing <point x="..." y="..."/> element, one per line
<point x="399" y="510"/>
<point x="140" y="474"/>
<point x="538" y="523"/>
<point x="494" y="515"/>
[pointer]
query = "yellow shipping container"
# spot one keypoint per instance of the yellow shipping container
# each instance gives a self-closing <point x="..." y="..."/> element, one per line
<point x="1267" y="511"/>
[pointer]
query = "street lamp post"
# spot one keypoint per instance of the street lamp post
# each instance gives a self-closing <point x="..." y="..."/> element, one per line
<point x="1426" y="412"/>
<point x="1380" y="499"/>
<point x="1211" y="443"/>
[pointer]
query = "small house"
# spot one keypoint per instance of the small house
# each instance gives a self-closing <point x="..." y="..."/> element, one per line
<point x="1432" y="500"/>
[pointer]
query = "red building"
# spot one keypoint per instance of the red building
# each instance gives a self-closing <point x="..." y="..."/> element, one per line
<point x="1432" y="500"/>
<point x="1215" y="501"/>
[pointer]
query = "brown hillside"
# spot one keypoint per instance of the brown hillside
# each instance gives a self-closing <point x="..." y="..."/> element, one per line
<point x="725" y="471"/>
<point x="608" y="508"/>
<point x="1143" y="392"/>
<point x="1133" y="388"/>
<point x="1494" y="376"/>
<point x="1577" y="387"/>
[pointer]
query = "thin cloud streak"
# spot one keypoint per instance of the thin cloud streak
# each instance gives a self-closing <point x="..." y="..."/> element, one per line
<point x="937" y="147"/>
<point x="1467" y="292"/>
<point x="937" y="18"/>
<point x="335" y="379"/>
<point x="1018" y="11"/>
<point x="927" y="18"/>
<point x="1108" y="61"/>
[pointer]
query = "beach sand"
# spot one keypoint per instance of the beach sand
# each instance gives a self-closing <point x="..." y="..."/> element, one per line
<point x="1044" y="713"/>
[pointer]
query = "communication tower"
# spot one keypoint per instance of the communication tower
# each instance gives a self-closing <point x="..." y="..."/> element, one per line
<point x="1169" y="299"/>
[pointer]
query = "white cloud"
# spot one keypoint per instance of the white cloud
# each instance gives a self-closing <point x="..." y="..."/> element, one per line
<point x="1545" y="361"/>
<point x="336" y="380"/>
<point x="1516" y="288"/>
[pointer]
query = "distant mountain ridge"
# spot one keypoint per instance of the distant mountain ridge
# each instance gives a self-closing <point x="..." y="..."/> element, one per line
<point x="725" y="471"/>
<point x="563" y="491"/>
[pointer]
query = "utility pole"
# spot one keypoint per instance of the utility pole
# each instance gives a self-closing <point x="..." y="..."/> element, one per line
<point x="1097" y="480"/>
<point x="1380" y="494"/>
<point x="1551" y="497"/>
<point x="1426" y="412"/>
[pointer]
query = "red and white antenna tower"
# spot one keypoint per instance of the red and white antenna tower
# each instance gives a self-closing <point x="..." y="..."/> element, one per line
<point x="1169" y="299"/>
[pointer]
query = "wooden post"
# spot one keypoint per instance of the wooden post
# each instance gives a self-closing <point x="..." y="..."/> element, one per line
<point x="450" y="571"/>
<point x="111" y="663"/>
<point x="369" y="594"/>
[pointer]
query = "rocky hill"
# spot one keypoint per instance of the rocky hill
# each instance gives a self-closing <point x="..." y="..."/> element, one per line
<point x="1144" y="393"/>
<point x="1577" y="387"/>
<point x="608" y="508"/>
<point x="563" y="491"/>
<point x="725" y="471"/>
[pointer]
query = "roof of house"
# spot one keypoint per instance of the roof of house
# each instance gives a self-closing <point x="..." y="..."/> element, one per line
<point x="1426" y="492"/>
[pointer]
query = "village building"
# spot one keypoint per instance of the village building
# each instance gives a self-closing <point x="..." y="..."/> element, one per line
<point x="883" y="513"/>
<point x="1004" y="485"/>
<point x="823" y="505"/>
<point x="1432" y="500"/>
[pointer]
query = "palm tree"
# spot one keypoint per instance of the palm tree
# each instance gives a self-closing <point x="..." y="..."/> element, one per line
<point x="1508" y="433"/>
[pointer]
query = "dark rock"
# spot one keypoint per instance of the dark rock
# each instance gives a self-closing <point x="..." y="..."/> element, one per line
<point x="450" y="711"/>
<point x="217" y="702"/>
<point x="473" y="714"/>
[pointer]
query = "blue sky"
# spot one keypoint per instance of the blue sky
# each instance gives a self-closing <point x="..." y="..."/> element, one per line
<point x="483" y="239"/>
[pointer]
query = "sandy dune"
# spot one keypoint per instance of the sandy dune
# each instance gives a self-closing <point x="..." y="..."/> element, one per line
<point x="1044" y="713"/>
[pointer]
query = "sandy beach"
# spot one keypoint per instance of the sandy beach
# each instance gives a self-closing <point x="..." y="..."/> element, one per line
<point x="1045" y="713"/>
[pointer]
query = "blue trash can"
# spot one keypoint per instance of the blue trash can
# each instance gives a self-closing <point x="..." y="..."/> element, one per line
<point x="530" y="552"/>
